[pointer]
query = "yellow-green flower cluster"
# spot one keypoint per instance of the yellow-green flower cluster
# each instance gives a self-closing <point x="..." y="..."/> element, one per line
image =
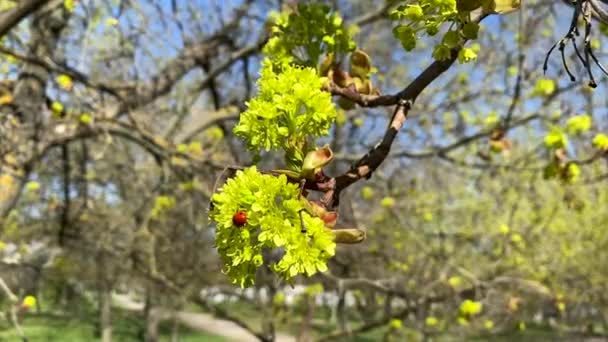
<point x="273" y="208"/>
<point x="290" y="109"/>
<point x="304" y="36"/>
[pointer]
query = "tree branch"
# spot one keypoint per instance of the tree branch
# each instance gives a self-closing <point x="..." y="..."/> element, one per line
<point x="12" y="17"/>
<point x="14" y="301"/>
<point x="409" y="93"/>
<point x="371" y="161"/>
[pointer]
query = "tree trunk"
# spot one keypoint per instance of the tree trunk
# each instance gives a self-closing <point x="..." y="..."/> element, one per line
<point x="151" y="334"/>
<point x="268" y="323"/>
<point x="105" y="314"/>
<point x="175" y="329"/>
<point x="305" y="327"/>
<point x="341" y="308"/>
<point x="36" y="290"/>
<point x="388" y="310"/>
<point x="152" y="320"/>
<point x="105" y="300"/>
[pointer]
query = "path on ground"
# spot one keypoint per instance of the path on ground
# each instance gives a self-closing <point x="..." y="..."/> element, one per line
<point x="199" y="321"/>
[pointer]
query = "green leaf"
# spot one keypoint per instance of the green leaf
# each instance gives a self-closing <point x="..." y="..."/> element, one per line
<point x="414" y="12"/>
<point x="258" y="260"/>
<point x="432" y="27"/>
<point x="442" y="52"/>
<point x="310" y="268"/>
<point x="329" y="40"/>
<point x="360" y="64"/>
<point x="452" y="39"/>
<point x="468" y="5"/>
<point x="406" y="35"/>
<point x="551" y="171"/>
<point x="278" y="241"/>
<point x="470" y="30"/>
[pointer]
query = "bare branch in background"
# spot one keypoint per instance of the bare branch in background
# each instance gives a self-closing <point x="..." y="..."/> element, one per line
<point x="12" y="17"/>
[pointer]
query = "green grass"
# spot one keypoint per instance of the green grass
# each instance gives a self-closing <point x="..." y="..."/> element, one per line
<point x="531" y="334"/>
<point x="48" y="329"/>
<point x="127" y="327"/>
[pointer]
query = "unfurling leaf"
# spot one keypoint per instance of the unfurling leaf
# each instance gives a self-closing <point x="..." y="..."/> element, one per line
<point x="315" y="161"/>
<point x="505" y="6"/>
<point x="326" y="64"/>
<point x="360" y="64"/>
<point x="316" y="209"/>
<point x="348" y="235"/>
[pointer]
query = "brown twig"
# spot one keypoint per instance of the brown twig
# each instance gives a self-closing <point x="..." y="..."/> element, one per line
<point x="404" y="100"/>
<point x="409" y="93"/>
<point x="369" y="162"/>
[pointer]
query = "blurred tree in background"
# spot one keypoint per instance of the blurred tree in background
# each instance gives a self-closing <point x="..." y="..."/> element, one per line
<point x="483" y="221"/>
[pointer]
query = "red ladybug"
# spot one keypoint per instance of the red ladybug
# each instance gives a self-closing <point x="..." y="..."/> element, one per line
<point x="240" y="218"/>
